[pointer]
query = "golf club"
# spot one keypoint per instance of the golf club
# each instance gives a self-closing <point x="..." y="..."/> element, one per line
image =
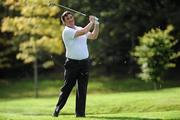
<point x="58" y="5"/>
<point x="67" y="8"/>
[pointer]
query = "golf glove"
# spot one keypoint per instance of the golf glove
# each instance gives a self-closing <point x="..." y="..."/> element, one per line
<point x="96" y="20"/>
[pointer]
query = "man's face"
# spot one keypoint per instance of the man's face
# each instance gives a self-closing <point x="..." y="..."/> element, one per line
<point x="69" y="20"/>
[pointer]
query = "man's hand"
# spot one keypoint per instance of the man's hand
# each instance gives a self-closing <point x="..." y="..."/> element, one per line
<point x="94" y="34"/>
<point x="93" y="19"/>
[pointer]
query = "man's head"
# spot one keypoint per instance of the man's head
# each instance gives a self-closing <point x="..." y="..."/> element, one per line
<point x="67" y="19"/>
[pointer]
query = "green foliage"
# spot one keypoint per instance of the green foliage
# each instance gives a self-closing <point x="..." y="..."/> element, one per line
<point x="30" y="8"/>
<point x="36" y="29"/>
<point x="155" y="54"/>
<point x="121" y="22"/>
<point x="44" y="44"/>
<point x="33" y="26"/>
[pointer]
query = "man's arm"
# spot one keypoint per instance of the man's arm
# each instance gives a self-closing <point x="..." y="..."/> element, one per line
<point x="87" y="28"/>
<point x="94" y="34"/>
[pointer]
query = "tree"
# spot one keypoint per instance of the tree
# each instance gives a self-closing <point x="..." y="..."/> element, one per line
<point x="155" y="54"/>
<point x="37" y="31"/>
<point x="121" y="22"/>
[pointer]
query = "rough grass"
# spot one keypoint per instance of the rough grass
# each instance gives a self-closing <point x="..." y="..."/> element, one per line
<point x="50" y="87"/>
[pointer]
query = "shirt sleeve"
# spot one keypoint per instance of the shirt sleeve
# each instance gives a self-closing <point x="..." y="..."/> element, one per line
<point x="69" y="34"/>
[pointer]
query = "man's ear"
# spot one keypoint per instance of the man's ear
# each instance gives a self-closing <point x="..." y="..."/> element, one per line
<point x="62" y="21"/>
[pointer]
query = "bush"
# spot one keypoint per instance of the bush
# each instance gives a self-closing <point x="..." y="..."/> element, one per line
<point x="155" y="54"/>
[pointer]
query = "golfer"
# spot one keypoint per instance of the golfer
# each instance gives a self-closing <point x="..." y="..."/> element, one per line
<point x="77" y="63"/>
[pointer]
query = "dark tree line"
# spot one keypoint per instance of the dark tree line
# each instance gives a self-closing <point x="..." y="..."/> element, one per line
<point x="122" y="22"/>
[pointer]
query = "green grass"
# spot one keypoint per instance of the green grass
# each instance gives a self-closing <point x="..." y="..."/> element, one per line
<point x="107" y="100"/>
<point x="163" y="104"/>
<point x="50" y="87"/>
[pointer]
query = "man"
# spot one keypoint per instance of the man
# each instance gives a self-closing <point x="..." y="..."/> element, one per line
<point x="77" y="63"/>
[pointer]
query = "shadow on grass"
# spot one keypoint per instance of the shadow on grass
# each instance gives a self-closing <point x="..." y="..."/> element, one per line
<point x="38" y="114"/>
<point x="120" y="118"/>
<point x="92" y="116"/>
<point x="47" y="114"/>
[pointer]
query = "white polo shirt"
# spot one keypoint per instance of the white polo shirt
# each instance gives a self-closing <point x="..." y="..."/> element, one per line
<point x="76" y="48"/>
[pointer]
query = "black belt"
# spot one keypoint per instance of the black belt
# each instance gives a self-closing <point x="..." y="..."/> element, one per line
<point x="73" y="60"/>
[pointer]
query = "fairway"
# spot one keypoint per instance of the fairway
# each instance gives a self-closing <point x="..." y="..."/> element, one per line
<point x="162" y="104"/>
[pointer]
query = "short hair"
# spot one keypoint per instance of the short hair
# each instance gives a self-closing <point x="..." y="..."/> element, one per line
<point x="64" y="15"/>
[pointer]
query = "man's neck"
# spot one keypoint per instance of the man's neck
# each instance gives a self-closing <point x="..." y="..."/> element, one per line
<point x="73" y="27"/>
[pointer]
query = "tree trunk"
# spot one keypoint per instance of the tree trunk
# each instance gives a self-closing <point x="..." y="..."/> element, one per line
<point x="36" y="78"/>
<point x="35" y="71"/>
<point x="157" y="85"/>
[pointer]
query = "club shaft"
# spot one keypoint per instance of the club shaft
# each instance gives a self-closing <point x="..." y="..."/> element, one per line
<point x="69" y="9"/>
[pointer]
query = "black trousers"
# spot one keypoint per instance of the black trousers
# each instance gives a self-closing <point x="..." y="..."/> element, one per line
<point x="76" y="73"/>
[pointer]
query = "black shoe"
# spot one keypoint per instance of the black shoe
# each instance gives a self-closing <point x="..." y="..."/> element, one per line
<point x="55" y="114"/>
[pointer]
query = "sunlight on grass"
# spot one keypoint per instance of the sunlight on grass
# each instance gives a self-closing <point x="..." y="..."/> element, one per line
<point x="130" y="105"/>
<point x="129" y="99"/>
